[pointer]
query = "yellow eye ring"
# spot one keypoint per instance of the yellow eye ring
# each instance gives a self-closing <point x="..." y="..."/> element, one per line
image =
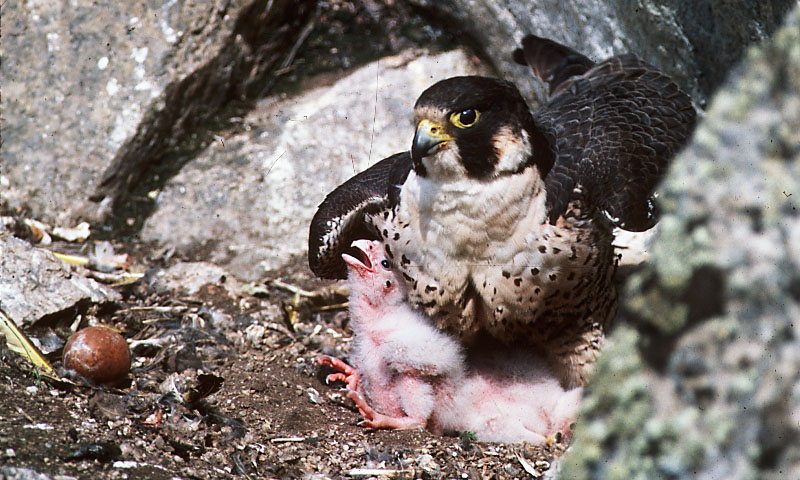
<point x="465" y="118"/>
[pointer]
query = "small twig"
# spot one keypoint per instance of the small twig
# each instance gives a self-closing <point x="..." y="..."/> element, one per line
<point x="287" y="439"/>
<point x="22" y="412"/>
<point x="307" y="29"/>
<point x="375" y="472"/>
<point x="278" y="328"/>
<point x="528" y="467"/>
<point x="287" y="61"/>
<point x="338" y="306"/>
<point x="116" y="279"/>
<point x="293" y="289"/>
<point x="156" y="308"/>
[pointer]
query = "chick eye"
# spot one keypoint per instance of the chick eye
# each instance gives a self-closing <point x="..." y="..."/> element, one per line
<point x="386" y="264"/>
<point x="465" y="118"/>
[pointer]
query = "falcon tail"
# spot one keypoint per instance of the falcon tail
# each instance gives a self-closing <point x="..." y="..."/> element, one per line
<point x="552" y="62"/>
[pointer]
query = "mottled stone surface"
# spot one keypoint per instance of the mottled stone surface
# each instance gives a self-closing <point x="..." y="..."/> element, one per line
<point x="77" y="79"/>
<point x="694" y="41"/>
<point x="269" y="178"/>
<point x="702" y="378"/>
<point x="90" y="86"/>
<point x="34" y="284"/>
<point x="189" y="277"/>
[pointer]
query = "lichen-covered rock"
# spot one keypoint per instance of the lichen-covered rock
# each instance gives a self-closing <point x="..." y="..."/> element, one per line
<point x="703" y="380"/>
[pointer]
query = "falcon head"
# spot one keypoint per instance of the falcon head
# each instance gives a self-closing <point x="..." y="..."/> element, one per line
<point x="476" y="127"/>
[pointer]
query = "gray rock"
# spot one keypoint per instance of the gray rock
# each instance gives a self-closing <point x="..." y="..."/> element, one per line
<point x="34" y="284"/>
<point x="703" y="380"/>
<point x="694" y="41"/>
<point x="76" y="83"/>
<point x="249" y="198"/>
<point x="188" y="278"/>
<point x="16" y="473"/>
<point x="93" y="94"/>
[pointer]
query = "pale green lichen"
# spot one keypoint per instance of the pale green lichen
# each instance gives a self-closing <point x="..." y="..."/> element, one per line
<point x="730" y="204"/>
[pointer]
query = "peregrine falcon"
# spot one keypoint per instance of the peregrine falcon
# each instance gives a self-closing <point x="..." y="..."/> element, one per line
<point x="500" y="219"/>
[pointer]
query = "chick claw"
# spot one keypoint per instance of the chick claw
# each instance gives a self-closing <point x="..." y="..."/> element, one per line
<point x="374" y="419"/>
<point x="346" y="373"/>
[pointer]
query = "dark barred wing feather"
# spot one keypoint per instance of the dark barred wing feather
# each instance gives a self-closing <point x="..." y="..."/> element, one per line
<point x="614" y="130"/>
<point x="341" y="217"/>
<point x="552" y="62"/>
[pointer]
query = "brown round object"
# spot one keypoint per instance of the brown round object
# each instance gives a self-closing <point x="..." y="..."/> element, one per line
<point x="99" y="354"/>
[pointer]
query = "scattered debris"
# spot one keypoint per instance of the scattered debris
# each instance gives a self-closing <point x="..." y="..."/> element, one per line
<point x="102" y="451"/>
<point x="104" y="259"/>
<point x="78" y="233"/>
<point x="528" y="467"/>
<point x="19" y="342"/>
<point x="38" y="231"/>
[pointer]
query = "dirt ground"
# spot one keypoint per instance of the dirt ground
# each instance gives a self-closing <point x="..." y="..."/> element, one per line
<point x="223" y="384"/>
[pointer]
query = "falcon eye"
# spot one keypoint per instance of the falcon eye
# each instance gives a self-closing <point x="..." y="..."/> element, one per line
<point x="386" y="264"/>
<point x="465" y="118"/>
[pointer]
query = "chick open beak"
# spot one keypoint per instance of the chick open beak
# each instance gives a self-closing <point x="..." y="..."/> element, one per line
<point x="360" y="256"/>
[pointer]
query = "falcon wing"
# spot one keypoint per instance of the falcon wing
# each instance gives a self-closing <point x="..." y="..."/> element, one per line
<point x="613" y="127"/>
<point x="552" y="62"/>
<point x="341" y="217"/>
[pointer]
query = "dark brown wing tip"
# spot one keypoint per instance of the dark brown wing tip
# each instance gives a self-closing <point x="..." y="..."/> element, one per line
<point x="551" y="61"/>
<point x="342" y="216"/>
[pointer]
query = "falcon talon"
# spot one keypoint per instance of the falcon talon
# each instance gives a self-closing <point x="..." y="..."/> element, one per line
<point x="500" y="220"/>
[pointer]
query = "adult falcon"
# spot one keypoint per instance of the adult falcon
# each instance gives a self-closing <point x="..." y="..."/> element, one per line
<point x="500" y="219"/>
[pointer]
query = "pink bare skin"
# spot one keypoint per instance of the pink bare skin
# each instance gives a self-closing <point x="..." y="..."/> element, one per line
<point x="409" y="375"/>
<point x="511" y="397"/>
<point x="403" y="366"/>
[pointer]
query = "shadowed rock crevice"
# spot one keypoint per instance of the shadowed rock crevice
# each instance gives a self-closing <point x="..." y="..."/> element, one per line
<point x="776" y="434"/>
<point x="278" y="53"/>
<point x="263" y="34"/>
<point x="671" y="312"/>
<point x="720" y="31"/>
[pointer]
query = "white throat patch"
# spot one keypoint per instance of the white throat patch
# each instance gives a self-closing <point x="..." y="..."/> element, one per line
<point x="466" y="218"/>
<point x="445" y="165"/>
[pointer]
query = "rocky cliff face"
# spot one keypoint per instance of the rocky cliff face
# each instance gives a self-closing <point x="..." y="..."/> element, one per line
<point x="700" y="379"/>
<point x="694" y="41"/>
<point x="166" y="115"/>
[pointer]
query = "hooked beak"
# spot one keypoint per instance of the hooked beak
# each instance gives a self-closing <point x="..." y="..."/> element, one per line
<point x="429" y="138"/>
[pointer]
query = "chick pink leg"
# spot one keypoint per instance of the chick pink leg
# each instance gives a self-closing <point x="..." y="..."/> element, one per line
<point x="373" y="419"/>
<point x="346" y="374"/>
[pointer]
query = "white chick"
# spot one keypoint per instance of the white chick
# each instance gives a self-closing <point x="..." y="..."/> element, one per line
<point x="409" y="375"/>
